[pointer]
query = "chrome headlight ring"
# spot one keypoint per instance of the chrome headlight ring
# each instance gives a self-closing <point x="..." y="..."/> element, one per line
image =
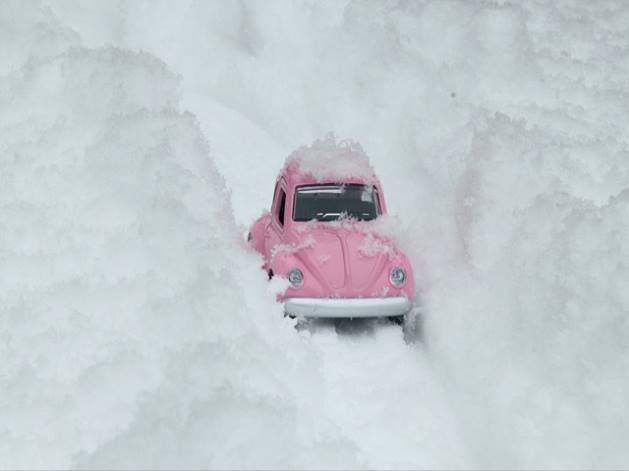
<point x="295" y="277"/>
<point x="397" y="276"/>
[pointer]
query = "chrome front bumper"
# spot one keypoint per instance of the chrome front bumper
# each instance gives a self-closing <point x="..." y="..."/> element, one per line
<point x="347" y="307"/>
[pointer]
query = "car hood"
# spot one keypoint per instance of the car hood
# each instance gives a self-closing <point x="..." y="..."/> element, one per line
<point x="344" y="262"/>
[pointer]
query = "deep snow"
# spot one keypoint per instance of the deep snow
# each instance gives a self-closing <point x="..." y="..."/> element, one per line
<point x="137" y="141"/>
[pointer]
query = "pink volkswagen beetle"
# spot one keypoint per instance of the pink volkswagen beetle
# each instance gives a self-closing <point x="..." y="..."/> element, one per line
<point x="322" y="235"/>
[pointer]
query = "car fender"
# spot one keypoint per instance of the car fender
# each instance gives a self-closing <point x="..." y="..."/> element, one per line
<point x="257" y="233"/>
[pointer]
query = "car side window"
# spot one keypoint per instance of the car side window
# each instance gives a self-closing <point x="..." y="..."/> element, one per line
<point x="377" y="200"/>
<point x="282" y="207"/>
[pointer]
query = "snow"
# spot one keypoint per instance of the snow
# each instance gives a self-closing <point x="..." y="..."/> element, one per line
<point x="306" y="242"/>
<point x="328" y="160"/>
<point x="373" y="245"/>
<point x="139" y="139"/>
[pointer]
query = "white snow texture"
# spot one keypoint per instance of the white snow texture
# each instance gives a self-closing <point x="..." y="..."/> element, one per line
<point x="139" y="138"/>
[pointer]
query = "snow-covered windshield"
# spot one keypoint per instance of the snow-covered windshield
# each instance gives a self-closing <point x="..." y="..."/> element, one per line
<point x="330" y="202"/>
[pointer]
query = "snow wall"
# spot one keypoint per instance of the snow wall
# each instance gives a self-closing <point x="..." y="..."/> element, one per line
<point x="136" y="329"/>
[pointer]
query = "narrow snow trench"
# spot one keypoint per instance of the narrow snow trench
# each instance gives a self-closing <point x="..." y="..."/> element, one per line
<point x="375" y="387"/>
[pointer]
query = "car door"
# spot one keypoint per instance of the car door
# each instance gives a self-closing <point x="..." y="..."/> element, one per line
<point x="275" y="232"/>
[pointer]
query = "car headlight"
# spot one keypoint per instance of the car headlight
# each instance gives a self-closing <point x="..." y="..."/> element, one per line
<point x="398" y="276"/>
<point x="295" y="277"/>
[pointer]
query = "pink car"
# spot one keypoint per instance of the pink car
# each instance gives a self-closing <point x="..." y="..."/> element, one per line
<point x="321" y="234"/>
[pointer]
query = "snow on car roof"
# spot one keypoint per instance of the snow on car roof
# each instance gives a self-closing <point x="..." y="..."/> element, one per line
<point x="330" y="160"/>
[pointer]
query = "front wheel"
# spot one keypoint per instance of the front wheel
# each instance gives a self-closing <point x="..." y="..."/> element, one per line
<point x="397" y="320"/>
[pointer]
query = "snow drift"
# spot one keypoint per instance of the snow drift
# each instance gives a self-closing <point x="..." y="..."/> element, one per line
<point x="537" y="304"/>
<point x="136" y="329"/>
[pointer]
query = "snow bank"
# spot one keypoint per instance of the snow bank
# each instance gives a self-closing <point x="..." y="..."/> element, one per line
<point x="539" y="304"/>
<point x="137" y="329"/>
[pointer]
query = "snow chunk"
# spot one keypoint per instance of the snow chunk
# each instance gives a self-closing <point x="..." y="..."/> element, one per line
<point x="306" y="242"/>
<point x="330" y="160"/>
<point x="372" y="245"/>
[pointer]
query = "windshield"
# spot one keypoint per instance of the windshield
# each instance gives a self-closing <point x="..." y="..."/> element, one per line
<point x="330" y="202"/>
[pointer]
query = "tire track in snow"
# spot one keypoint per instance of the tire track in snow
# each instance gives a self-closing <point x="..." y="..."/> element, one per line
<point x="384" y="396"/>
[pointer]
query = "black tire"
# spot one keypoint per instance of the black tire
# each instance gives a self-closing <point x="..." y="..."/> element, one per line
<point x="397" y="320"/>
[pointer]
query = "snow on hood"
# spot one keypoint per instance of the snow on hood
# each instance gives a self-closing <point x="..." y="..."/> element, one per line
<point x="290" y="248"/>
<point x="374" y="241"/>
<point x="384" y="227"/>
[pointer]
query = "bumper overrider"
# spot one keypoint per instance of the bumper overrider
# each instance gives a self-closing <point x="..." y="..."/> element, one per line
<point x="347" y="307"/>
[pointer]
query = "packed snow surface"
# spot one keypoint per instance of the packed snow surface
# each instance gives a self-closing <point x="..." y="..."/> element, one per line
<point x="139" y="139"/>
